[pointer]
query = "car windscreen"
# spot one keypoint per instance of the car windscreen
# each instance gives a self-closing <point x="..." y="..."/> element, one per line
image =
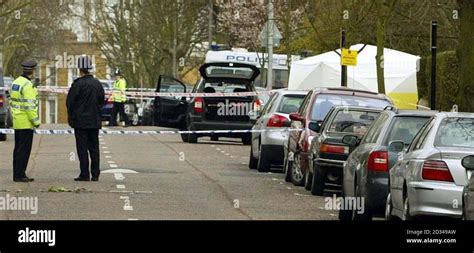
<point x="229" y="72"/>
<point x="290" y="103"/>
<point x="324" y="103"/>
<point x="224" y="87"/>
<point x="405" y="128"/>
<point x="352" y="121"/>
<point x="455" y="132"/>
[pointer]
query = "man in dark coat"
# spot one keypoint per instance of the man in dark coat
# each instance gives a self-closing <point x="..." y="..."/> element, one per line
<point x="84" y="103"/>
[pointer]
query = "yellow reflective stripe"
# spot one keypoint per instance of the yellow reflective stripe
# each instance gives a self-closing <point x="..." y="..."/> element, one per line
<point x="23" y="107"/>
<point x="23" y="100"/>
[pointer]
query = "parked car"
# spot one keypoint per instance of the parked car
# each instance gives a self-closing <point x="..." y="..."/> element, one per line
<point x="468" y="209"/>
<point x="267" y="147"/>
<point x="429" y="178"/>
<point x="366" y="170"/>
<point x="328" y="152"/>
<point x="212" y="113"/>
<point x="317" y="103"/>
<point x="170" y="111"/>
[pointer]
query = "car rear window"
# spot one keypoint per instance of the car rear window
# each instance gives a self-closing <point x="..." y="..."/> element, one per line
<point x="290" y="103"/>
<point x="324" y="103"/>
<point x="405" y="128"/>
<point x="352" y="121"/>
<point x="455" y="132"/>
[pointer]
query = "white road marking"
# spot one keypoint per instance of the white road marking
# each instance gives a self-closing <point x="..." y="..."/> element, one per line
<point x="123" y="171"/>
<point x="299" y="194"/>
<point x="110" y="162"/>
<point x="119" y="176"/>
<point x="108" y="156"/>
<point x="132" y="219"/>
<point x="288" y="188"/>
<point x="106" y="152"/>
<point x="120" y="186"/>
<point x="274" y="179"/>
<point x="104" y="147"/>
<point x="233" y="157"/>
<point x="113" y="165"/>
<point x="218" y="149"/>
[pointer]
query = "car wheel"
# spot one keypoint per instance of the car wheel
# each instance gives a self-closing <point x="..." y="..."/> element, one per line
<point x="366" y="215"/>
<point x="214" y="138"/>
<point x="388" y="208"/>
<point x="3" y="137"/>
<point x="406" y="210"/>
<point x="263" y="160"/>
<point x="247" y="140"/>
<point x="297" y="177"/>
<point x="192" y="138"/>
<point x="252" y="161"/>
<point x="135" y="119"/>
<point x="308" y="180"/>
<point x="185" y="137"/>
<point x="318" y="181"/>
<point x="288" y="165"/>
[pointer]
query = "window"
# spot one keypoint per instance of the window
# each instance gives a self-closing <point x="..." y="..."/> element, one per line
<point x="51" y="110"/>
<point x="325" y="102"/>
<point x="304" y="105"/>
<point x="374" y="132"/>
<point x="352" y="121"/>
<point x="420" y="137"/>
<point x="290" y="103"/>
<point x="405" y="128"/>
<point x="456" y="132"/>
<point x="51" y="76"/>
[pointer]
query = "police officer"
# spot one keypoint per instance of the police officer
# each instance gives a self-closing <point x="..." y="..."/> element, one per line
<point x="24" y="109"/>
<point x="119" y="99"/>
<point x="84" y="103"/>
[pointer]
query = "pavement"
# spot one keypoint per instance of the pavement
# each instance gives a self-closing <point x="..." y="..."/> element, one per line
<point x="153" y="177"/>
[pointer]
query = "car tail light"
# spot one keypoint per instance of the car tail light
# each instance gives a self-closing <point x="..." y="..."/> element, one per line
<point x="277" y="121"/>
<point x="198" y="105"/>
<point x="334" y="149"/>
<point x="257" y="104"/>
<point x="436" y="170"/>
<point x="1" y="101"/>
<point x="378" y="161"/>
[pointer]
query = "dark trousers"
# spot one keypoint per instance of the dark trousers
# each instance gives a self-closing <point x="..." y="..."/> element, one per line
<point x="22" y="151"/>
<point x="87" y="144"/>
<point x="118" y="108"/>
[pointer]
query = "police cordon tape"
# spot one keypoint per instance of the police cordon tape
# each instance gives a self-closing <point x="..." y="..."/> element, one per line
<point x="65" y="90"/>
<point x="150" y="132"/>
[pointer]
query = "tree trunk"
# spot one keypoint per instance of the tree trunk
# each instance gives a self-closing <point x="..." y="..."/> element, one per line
<point x="380" y="46"/>
<point x="466" y="56"/>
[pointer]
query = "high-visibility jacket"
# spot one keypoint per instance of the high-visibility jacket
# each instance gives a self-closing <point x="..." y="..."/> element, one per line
<point x="118" y="93"/>
<point x="24" y="104"/>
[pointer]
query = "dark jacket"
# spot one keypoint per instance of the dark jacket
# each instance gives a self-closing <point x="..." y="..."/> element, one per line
<point x="84" y="103"/>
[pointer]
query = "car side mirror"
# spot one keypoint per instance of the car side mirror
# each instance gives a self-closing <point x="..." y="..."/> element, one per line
<point x="315" y="126"/>
<point x="396" y="146"/>
<point x="468" y="162"/>
<point x="296" y="117"/>
<point x="350" y="140"/>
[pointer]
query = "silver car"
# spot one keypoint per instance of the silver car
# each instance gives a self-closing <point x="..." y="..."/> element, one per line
<point x="267" y="148"/>
<point x="429" y="178"/>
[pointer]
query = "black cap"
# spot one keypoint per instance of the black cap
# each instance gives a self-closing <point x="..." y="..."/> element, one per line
<point x="84" y="63"/>
<point x="117" y="72"/>
<point x="29" y="65"/>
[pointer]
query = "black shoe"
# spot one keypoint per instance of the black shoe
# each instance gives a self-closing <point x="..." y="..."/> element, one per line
<point x="85" y="179"/>
<point x="23" y="180"/>
<point x="95" y="179"/>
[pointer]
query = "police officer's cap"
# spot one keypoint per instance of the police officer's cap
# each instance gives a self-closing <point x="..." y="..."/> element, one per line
<point x="29" y="65"/>
<point x="117" y="72"/>
<point x="84" y="63"/>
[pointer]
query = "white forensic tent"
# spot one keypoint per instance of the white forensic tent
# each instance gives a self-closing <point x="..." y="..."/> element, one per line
<point x="324" y="70"/>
